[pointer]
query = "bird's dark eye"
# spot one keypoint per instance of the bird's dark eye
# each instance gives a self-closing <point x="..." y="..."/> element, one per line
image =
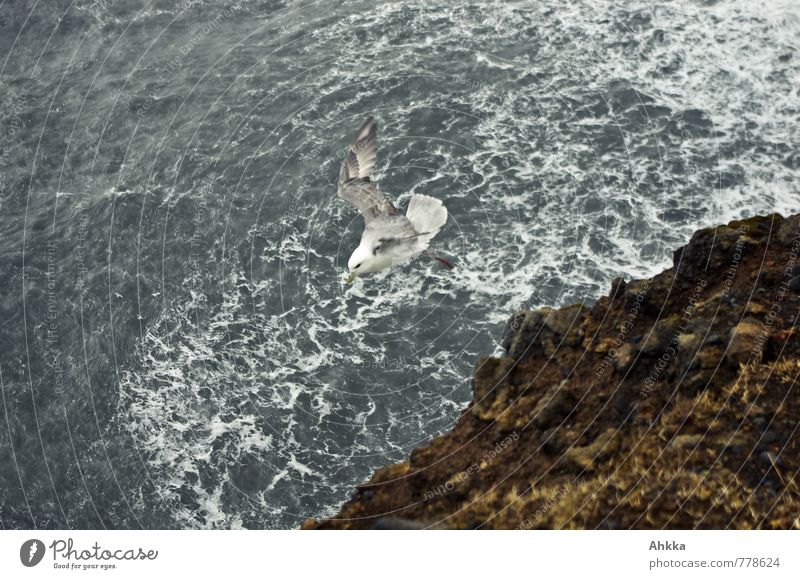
<point x="376" y="250"/>
<point x="356" y="267"/>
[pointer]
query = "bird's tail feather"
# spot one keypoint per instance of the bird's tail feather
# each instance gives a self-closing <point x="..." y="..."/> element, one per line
<point x="426" y="214"/>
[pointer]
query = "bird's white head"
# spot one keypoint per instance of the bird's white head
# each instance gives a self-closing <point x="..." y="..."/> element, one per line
<point x="366" y="259"/>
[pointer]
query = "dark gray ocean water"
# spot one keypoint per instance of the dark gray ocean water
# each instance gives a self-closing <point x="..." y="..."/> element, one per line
<point x="177" y="348"/>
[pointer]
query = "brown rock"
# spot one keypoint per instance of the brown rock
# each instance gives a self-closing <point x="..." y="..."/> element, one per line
<point x="789" y="231"/>
<point x="688" y="342"/>
<point x="528" y="331"/>
<point x="709" y="357"/>
<point x="553" y="407"/>
<point x="686" y="441"/>
<point x="745" y="345"/>
<point x="587" y="457"/>
<point x="626" y="354"/>
<point x="564" y="320"/>
<point x="523" y="339"/>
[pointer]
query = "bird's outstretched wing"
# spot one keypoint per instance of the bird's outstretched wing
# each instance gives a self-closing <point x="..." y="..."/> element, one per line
<point x="355" y="185"/>
<point x="367" y="198"/>
<point x="362" y="152"/>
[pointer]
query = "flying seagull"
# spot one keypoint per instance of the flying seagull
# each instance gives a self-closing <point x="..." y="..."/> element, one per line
<point x="389" y="238"/>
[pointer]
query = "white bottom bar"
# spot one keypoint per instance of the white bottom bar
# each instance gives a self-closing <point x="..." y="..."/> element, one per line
<point x="388" y="554"/>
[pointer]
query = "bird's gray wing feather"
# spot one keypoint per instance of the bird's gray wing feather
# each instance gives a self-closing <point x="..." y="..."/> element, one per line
<point x="361" y="153"/>
<point x="367" y="198"/>
<point x="355" y="185"/>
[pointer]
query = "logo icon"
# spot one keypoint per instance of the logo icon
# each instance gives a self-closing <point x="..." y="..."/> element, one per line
<point x="31" y="553"/>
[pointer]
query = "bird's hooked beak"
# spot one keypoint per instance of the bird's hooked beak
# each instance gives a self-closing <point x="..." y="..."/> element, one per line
<point x="351" y="276"/>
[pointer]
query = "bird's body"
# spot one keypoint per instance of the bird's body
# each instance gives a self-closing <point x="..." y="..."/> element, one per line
<point x="389" y="237"/>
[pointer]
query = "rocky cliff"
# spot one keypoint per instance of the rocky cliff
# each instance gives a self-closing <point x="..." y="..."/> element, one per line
<point x="670" y="403"/>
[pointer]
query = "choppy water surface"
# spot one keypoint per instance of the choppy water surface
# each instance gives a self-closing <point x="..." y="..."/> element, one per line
<point x="178" y="348"/>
